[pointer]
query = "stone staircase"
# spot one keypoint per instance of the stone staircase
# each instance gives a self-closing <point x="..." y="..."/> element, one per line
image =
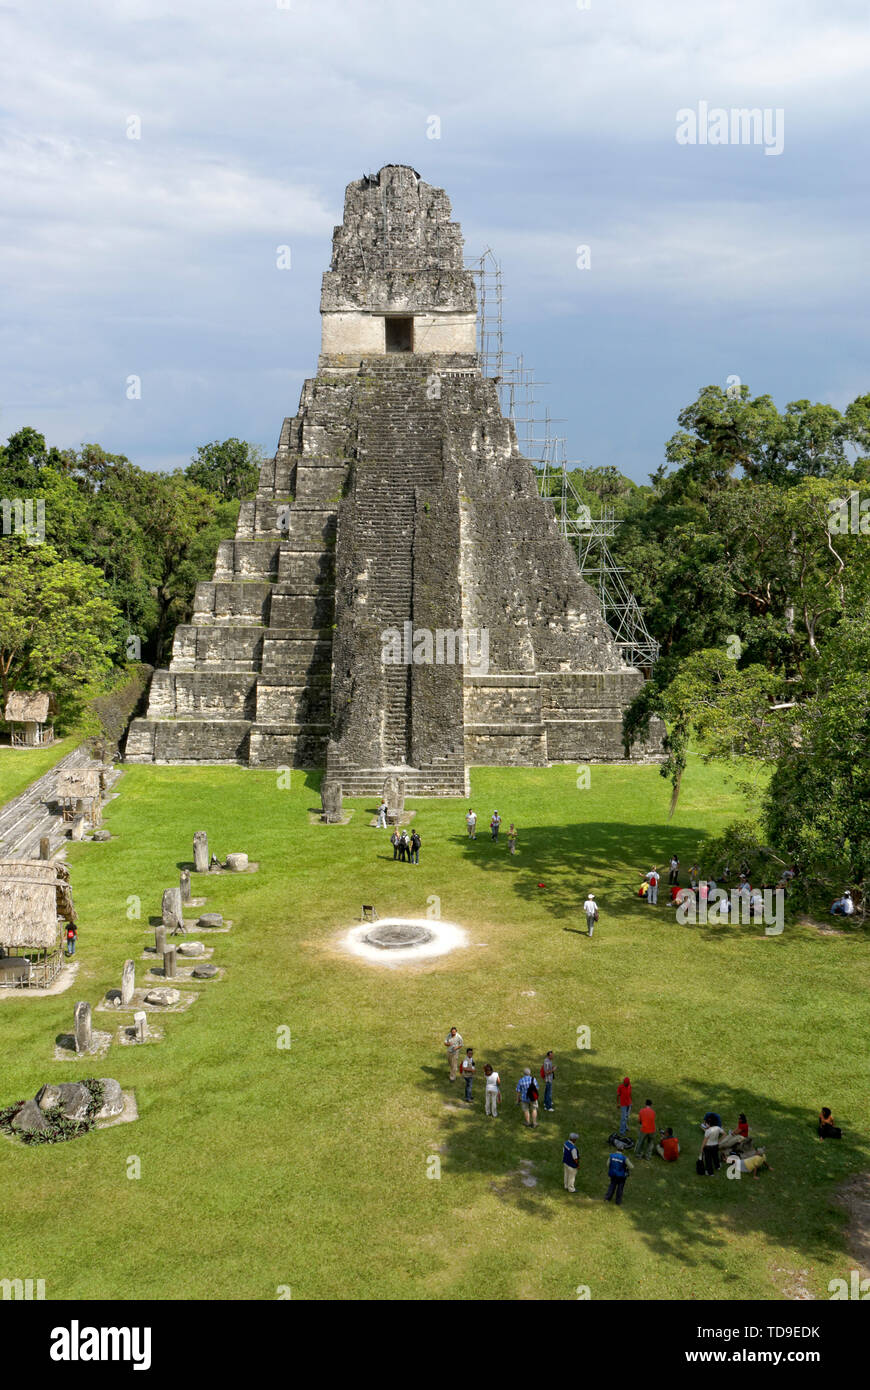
<point x="27" y="817"/>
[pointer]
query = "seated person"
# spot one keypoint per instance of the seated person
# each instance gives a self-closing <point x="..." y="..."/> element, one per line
<point x="753" y="1163"/>
<point x="735" y="1138"/>
<point x="668" y="1147"/>
<point x="843" y="907"/>
<point x="827" y="1128"/>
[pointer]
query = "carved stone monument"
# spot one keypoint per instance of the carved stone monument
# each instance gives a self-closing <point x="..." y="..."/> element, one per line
<point x="172" y="911"/>
<point x="83" y="1028"/>
<point x="140" y="1023"/>
<point x="200" y="852"/>
<point x="128" y="982"/>
<point x="330" y="796"/>
<point x="184" y="885"/>
<point x="169" y="963"/>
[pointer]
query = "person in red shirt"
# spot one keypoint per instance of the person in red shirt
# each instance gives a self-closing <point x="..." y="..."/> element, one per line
<point x="647" y="1120"/>
<point x="623" y="1096"/>
<point x="669" y="1148"/>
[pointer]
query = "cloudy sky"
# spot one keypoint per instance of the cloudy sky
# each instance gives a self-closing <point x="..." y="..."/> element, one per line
<point x="156" y="256"/>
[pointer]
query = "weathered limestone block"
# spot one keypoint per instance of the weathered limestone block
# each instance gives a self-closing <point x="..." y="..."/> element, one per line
<point x="83" y="1027"/>
<point x="330" y="796"/>
<point x="200" y="852"/>
<point x="159" y="940"/>
<point x="113" y="1099"/>
<point x="165" y="997"/>
<point x="140" y="1023"/>
<point x="237" y="863"/>
<point x="169" y="963"/>
<point x="128" y="981"/>
<point x="172" y="911"/>
<point x="184" y="885"/>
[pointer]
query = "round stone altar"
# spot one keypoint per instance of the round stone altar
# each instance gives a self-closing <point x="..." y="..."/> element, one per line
<point x="400" y="940"/>
<point x="392" y="936"/>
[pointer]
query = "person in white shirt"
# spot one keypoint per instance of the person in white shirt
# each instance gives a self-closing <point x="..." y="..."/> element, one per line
<point x="471" y="822"/>
<point x="652" y="879"/>
<point x="382" y="816"/>
<point x="590" y="907"/>
<point x="843" y="907"/>
<point x="710" y="1148"/>
<point x="493" y="1094"/>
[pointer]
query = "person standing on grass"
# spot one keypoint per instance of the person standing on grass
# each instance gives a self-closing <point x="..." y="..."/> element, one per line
<point x="512" y="838"/>
<point x="406" y="846"/>
<point x="453" y="1042"/>
<point x="570" y="1162"/>
<point x="415" y="846"/>
<point x="646" y="1118"/>
<point x="590" y="907"/>
<point x="471" y="822"/>
<point x="652" y="879"/>
<point x="494" y="824"/>
<point x="618" y="1169"/>
<point x="710" y="1148"/>
<point x="623" y="1096"/>
<point x="674" y="870"/>
<point x="71" y="935"/>
<point x="493" y="1094"/>
<point x="548" y="1072"/>
<point x="467" y="1069"/>
<point x="394" y="841"/>
<point x="527" y="1097"/>
<point x="694" y="874"/>
<point x="382" y="815"/>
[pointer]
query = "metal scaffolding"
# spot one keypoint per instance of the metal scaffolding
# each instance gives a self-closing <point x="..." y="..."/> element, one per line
<point x="517" y="387"/>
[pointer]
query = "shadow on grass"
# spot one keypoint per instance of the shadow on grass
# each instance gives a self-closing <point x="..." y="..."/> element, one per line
<point x="572" y="860"/>
<point x="678" y="1214"/>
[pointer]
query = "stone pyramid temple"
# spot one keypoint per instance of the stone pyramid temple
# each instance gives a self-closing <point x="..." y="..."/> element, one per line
<point x="398" y="598"/>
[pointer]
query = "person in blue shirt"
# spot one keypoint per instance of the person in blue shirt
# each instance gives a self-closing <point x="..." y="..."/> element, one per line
<point x="570" y="1161"/>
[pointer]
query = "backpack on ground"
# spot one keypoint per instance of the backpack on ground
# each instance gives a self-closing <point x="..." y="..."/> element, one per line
<point x="617" y="1167"/>
<point x="621" y="1141"/>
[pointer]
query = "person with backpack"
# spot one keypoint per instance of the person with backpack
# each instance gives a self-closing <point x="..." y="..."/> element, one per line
<point x="71" y="936"/>
<point x="570" y="1162"/>
<point x="527" y="1097"/>
<point x="495" y="824"/>
<point x="395" y="841"/>
<point x="467" y="1070"/>
<point x="590" y="907"/>
<point x="548" y="1071"/>
<point x="405" y="848"/>
<point x="652" y="879"/>
<point x="618" y="1169"/>
<point x="415" y="846"/>
<point x="382" y="815"/>
<point x="623" y="1096"/>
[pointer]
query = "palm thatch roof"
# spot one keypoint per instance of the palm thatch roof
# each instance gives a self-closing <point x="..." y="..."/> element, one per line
<point x="29" y="706"/>
<point x="30" y="890"/>
<point x="79" y="784"/>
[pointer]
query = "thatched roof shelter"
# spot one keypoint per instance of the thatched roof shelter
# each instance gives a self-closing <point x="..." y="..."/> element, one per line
<point x="29" y="707"/>
<point x="79" y="784"/>
<point x="31" y="894"/>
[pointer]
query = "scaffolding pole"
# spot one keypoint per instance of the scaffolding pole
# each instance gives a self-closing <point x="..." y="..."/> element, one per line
<point x="548" y="453"/>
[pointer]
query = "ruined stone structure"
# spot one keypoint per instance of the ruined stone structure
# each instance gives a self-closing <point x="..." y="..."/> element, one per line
<point x="398" y="597"/>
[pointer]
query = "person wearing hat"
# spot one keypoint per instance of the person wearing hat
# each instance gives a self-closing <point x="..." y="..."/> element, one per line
<point x="590" y="907"/>
<point x="570" y="1161"/>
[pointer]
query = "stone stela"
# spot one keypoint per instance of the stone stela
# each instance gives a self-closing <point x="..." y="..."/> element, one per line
<point x="397" y="496"/>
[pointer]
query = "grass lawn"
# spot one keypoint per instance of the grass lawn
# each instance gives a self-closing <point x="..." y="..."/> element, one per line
<point x="307" y="1167"/>
<point x="21" y="766"/>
